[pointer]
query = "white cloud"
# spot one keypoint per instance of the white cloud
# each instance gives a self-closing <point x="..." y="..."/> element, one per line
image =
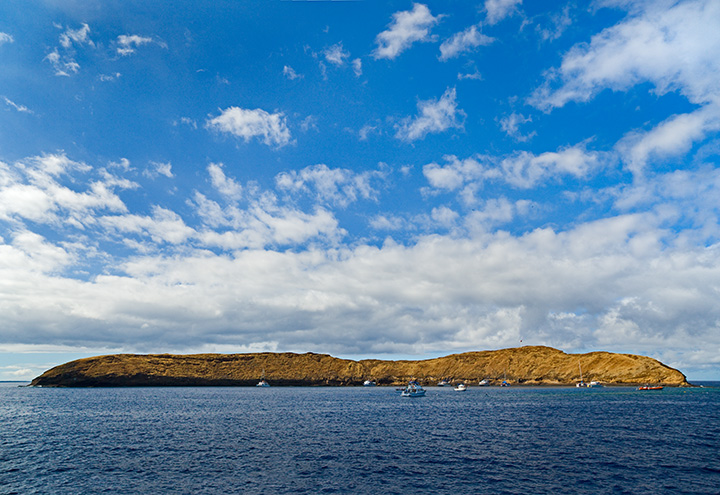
<point x="158" y="168"/>
<point x="368" y="129"/>
<point x="6" y="38"/>
<point x="497" y="10"/>
<point x="19" y="108"/>
<point x="282" y="279"/>
<point x="225" y="185"/>
<point x="476" y="76"/>
<point x="671" y="45"/>
<point x="270" y="225"/>
<point x="583" y="288"/>
<point x="332" y="186"/>
<point x="521" y="169"/>
<point x="434" y="116"/>
<point x="357" y="67"/>
<point x="128" y="43"/>
<point x="336" y="55"/>
<point x="244" y="123"/>
<point x="387" y="222"/>
<point x="63" y="65"/>
<point x="525" y="170"/>
<point x="672" y="137"/>
<point x="556" y="27"/>
<point x="290" y="73"/>
<point x="164" y="226"/>
<point x="464" y="41"/>
<point x="406" y="28"/>
<point x="455" y="174"/>
<point x="77" y="36"/>
<point x="511" y="126"/>
<point x="30" y="190"/>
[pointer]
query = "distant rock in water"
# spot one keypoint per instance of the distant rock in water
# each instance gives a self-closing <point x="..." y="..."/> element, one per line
<point x="530" y="365"/>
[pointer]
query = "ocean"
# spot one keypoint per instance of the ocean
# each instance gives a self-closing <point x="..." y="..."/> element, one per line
<point x="209" y="440"/>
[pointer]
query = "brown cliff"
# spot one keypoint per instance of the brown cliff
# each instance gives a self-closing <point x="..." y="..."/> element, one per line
<point x="531" y="365"/>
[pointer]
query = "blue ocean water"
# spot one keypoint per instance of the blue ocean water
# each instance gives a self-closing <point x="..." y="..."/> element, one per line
<point x="359" y="440"/>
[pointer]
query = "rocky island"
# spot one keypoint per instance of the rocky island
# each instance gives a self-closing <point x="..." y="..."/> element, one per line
<point x="529" y="365"/>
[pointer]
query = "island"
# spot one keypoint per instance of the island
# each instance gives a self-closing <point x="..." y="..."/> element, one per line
<point x="528" y="365"/>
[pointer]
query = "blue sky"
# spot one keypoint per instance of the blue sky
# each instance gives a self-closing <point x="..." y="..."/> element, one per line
<point x="364" y="179"/>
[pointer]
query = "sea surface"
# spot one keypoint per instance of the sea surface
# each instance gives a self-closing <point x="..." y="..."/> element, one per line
<point x="359" y="440"/>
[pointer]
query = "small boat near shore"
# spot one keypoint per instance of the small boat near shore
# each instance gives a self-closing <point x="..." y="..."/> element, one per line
<point x="442" y="383"/>
<point x="484" y="382"/>
<point x="461" y="388"/>
<point x="413" y="389"/>
<point x="650" y="387"/>
<point x="262" y="382"/>
<point x="369" y="383"/>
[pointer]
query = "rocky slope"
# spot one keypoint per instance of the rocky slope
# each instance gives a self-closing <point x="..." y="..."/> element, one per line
<point x="531" y="365"/>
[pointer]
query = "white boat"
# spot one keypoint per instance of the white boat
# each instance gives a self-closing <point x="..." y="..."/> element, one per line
<point x="484" y="382"/>
<point x="594" y="384"/>
<point x="413" y="389"/>
<point x="581" y="384"/>
<point x="461" y="388"/>
<point x="263" y="382"/>
<point x="369" y="383"/>
<point x="442" y="383"/>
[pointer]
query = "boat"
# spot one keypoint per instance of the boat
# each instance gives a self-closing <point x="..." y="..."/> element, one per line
<point x="413" y="389"/>
<point x="369" y="383"/>
<point x="263" y="382"/>
<point x="594" y="384"/>
<point x="650" y="387"/>
<point x="442" y="383"/>
<point x="581" y="384"/>
<point x="484" y="382"/>
<point x="461" y="388"/>
<point x="504" y="383"/>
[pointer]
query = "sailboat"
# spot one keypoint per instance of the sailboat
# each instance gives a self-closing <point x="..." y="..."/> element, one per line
<point x="582" y="383"/>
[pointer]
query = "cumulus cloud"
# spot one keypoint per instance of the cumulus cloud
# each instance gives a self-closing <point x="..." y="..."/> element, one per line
<point x="407" y="27"/>
<point x="670" y="138"/>
<point x="463" y="41"/>
<point x="521" y="169"/>
<point x="331" y="186"/>
<point x="434" y="116"/>
<point x="670" y="45"/>
<point x="31" y="190"/>
<point x="270" y="128"/>
<point x="587" y="287"/>
<point x="157" y="169"/>
<point x="455" y="173"/>
<point x="6" y="38"/>
<point x="525" y="169"/>
<point x="225" y="185"/>
<point x="497" y="10"/>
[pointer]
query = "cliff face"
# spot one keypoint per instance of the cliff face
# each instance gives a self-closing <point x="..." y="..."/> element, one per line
<point x="524" y="365"/>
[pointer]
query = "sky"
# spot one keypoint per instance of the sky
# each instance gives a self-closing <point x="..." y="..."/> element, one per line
<point x="377" y="179"/>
